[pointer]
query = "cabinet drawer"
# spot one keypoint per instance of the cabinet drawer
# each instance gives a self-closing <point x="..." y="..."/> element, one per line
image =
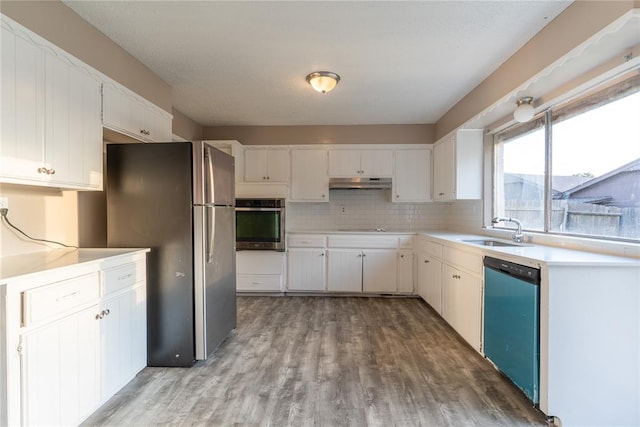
<point x="259" y="282"/>
<point x="465" y="260"/>
<point x="259" y="263"/>
<point x="122" y="277"/>
<point x="405" y="242"/>
<point x="363" y="242"/>
<point x="53" y="300"/>
<point x="431" y="248"/>
<point x="306" y="241"/>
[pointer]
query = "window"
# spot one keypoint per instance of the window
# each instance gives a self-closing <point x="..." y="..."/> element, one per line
<point x="575" y="170"/>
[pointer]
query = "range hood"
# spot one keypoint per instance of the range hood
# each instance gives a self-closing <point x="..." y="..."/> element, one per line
<point x="360" y="183"/>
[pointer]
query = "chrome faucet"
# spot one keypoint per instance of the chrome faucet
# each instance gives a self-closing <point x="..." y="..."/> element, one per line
<point x="518" y="236"/>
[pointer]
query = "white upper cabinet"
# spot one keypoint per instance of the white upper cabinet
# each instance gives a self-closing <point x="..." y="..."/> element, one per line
<point x="129" y="114"/>
<point x="360" y="163"/>
<point x="309" y="178"/>
<point x="51" y="126"/>
<point x="457" y="166"/>
<point x="412" y="180"/>
<point x="266" y="165"/>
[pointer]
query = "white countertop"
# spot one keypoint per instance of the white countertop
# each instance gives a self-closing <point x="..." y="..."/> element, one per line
<point x="536" y="254"/>
<point x="20" y="265"/>
<point x="549" y="255"/>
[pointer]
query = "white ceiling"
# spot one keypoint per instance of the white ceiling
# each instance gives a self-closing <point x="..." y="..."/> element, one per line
<point x="245" y="62"/>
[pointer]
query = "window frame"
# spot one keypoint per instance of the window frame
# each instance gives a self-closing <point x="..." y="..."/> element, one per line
<point x="545" y="119"/>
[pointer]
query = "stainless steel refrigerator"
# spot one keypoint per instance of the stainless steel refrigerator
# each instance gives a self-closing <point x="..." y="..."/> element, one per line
<point x="178" y="199"/>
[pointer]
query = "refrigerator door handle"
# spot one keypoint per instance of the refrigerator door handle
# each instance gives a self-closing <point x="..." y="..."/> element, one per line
<point x="209" y="231"/>
<point x="208" y="176"/>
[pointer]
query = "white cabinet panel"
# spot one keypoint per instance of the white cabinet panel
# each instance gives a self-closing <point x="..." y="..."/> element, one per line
<point x="51" y="124"/>
<point x="457" y="166"/>
<point x="266" y="165"/>
<point x="412" y="180"/>
<point x="130" y="114"/>
<point x="306" y="270"/>
<point x="433" y="287"/>
<point x="360" y="163"/>
<point x="309" y="178"/>
<point x="344" y="270"/>
<point x="260" y="271"/>
<point x="405" y="272"/>
<point x="376" y="163"/>
<point x="59" y="370"/>
<point x="462" y="303"/>
<point x="380" y="269"/>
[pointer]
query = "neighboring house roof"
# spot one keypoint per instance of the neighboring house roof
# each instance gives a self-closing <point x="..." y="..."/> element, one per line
<point x="633" y="166"/>
<point x="559" y="184"/>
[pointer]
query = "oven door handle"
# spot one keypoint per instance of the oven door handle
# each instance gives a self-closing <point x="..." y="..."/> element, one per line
<point x="258" y="209"/>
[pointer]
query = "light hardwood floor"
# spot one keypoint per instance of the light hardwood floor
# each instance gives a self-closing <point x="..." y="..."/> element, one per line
<point x="298" y="361"/>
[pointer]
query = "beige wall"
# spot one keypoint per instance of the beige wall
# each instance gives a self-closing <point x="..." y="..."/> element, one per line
<point x="581" y="20"/>
<point x="41" y="213"/>
<point x="63" y="27"/>
<point x="355" y="134"/>
<point x="186" y="128"/>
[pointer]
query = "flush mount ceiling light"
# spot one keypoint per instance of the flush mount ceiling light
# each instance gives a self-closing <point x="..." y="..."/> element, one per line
<point x="524" y="112"/>
<point x="323" y="81"/>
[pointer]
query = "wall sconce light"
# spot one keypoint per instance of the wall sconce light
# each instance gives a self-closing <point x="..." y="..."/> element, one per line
<point x="323" y="81"/>
<point x="524" y="112"/>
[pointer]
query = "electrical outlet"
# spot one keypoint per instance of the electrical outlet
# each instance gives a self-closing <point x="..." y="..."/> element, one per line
<point x="4" y="203"/>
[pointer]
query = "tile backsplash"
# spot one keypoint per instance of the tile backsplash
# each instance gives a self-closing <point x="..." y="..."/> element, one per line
<point x="365" y="209"/>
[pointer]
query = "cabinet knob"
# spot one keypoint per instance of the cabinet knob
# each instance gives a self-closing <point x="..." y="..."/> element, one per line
<point x="268" y="178"/>
<point x="440" y="194"/>
<point x="323" y="196"/>
<point x="397" y="196"/>
<point x="98" y="316"/>
<point x="322" y="254"/>
<point x="51" y="172"/>
<point x="364" y="255"/>
<point x="359" y="255"/>
<point x="264" y="177"/>
<point x="42" y="170"/>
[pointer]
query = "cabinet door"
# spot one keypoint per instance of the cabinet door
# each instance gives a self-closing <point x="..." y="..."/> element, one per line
<point x="433" y="275"/>
<point x="344" y="163"/>
<point x="309" y="179"/>
<point x="278" y="165"/>
<point x="73" y="127"/>
<point x="423" y="260"/>
<point x="380" y="271"/>
<point x="60" y="370"/>
<point x="405" y="271"/>
<point x="255" y="165"/>
<point x="22" y="109"/>
<point x="444" y="170"/>
<point x="344" y="270"/>
<point x="376" y="163"/>
<point x="412" y="180"/>
<point x="157" y="124"/>
<point x="306" y="270"/>
<point x="469" y="306"/>
<point x="449" y="295"/>
<point x="138" y="306"/>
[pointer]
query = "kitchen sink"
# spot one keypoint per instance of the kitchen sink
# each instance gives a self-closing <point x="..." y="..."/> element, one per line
<point x="488" y="242"/>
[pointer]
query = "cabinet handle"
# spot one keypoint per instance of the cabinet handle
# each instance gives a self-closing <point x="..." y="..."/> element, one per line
<point x="98" y="316"/>
<point x="108" y="311"/>
<point x="256" y="283"/>
<point x="440" y="194"/>
<point x="42" y="170"/>
<point x="264" y="178"/>
<point x="126" y="276"/>
<point x="426" y="261"/>
<point x="73" y="294"/>
<point x="51" y="172"/>
<point x="397" y="196"/>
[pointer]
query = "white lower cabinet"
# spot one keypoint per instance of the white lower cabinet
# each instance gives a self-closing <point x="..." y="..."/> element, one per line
<point x="462" y="303"/>
<point x="260" y="271"/>
<point x="344" y="270"/>
<point x="405" y="272"/>
<point x="306" y="270"/>
<point x="379" y="271"/>
<point x="73" y="339"/>
<point x="430" y="281"/>
<point x="60" y="370"/>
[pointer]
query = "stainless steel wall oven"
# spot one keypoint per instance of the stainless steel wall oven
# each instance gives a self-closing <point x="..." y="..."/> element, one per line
<point x="260" y="224"/>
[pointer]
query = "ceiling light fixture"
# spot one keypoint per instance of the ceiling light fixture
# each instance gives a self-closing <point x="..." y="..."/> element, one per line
<point x="323" y="81"/>
<point x="524" y="112"/>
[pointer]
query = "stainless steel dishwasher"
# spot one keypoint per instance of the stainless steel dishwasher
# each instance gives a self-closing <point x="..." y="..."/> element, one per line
<point x="512" y="322"/>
